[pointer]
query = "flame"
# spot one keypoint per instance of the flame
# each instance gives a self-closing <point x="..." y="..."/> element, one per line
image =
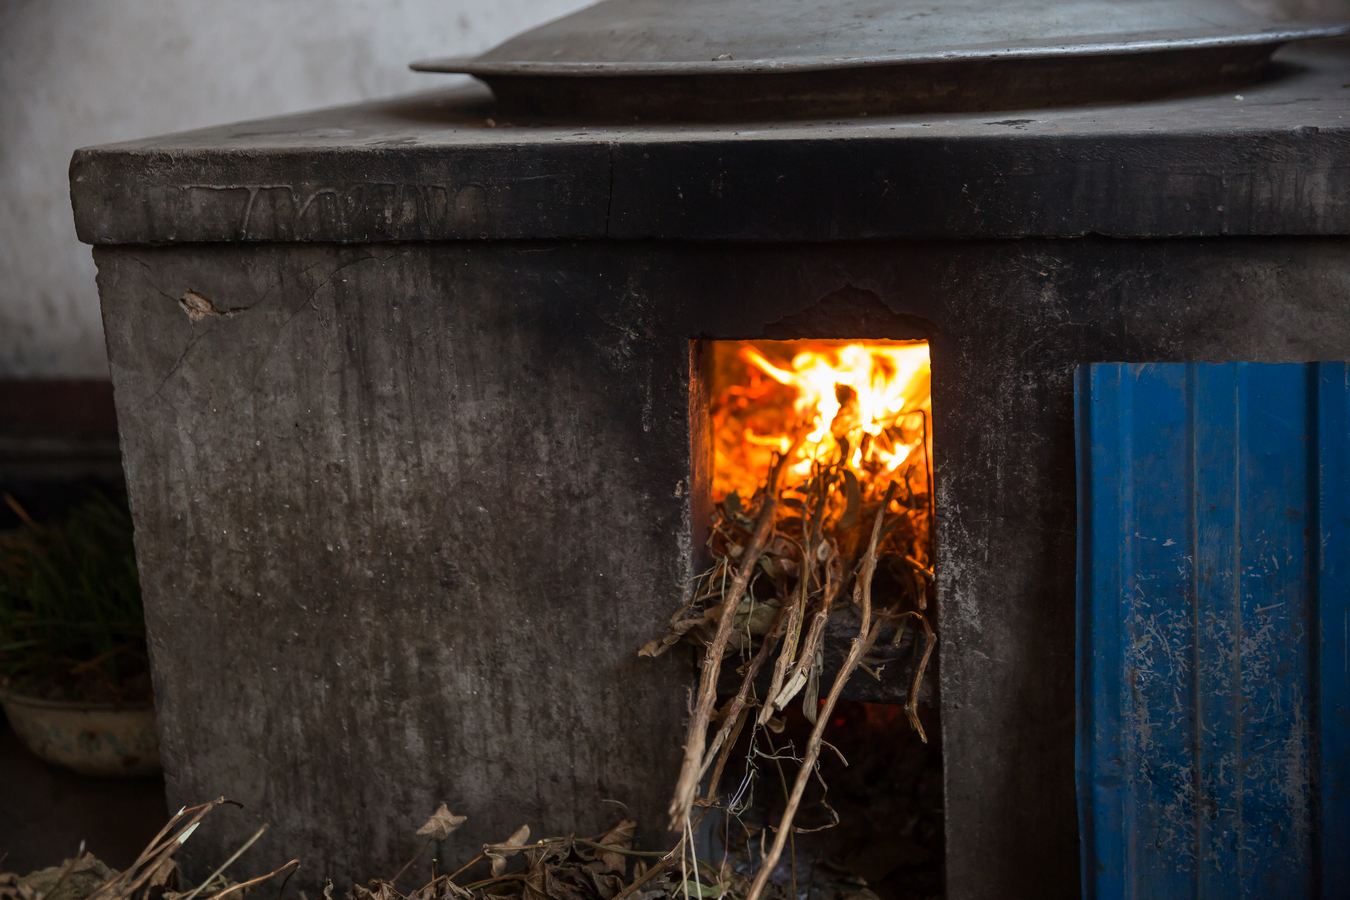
<point x="870" y="400"/>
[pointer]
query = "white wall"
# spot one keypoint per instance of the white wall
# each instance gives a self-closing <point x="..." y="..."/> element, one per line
<point x="81" y="72"/>
<point x="1301" y="10"/>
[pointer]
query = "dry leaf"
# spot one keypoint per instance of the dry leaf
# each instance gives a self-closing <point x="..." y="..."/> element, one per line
<point x="541" y="855"/>
<point x="82" y="876"/>
<point x="498" y="853"/>
<point x="557" y="889"/>
<point x="10" y="888"/>
<point x="758" y="618"/>
<point x="383" y="890"/>
<point x="162" y="874"/>
<point x="811" y="697"/>
<point x="794" y="684"/>
<point x="854" y="494"/>
<point x="620" y="836"/>
<point x="702" y="891"/>
<point x="606" y="886"/>
<point x="536" y="878"/>
<point x="653" y="648"/>
<point x="679" y="629"/>
<point x="441" y="823"/>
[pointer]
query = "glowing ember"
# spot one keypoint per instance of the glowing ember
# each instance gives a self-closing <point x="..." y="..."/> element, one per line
<point x="869" y="400"/>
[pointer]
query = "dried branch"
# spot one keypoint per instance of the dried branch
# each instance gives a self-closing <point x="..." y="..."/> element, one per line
<point x="802" y="670"/>
<point x="867" y="635"/>
<point x="912" y="702"/>
<point x="245" y="885"/>
<point x="687" y="785"/>
<point x="665" y="862"/>
<point x="156" y="852"/>
<point x="66" y="869"/>
<point x="725" y="755"/>
<point x="795" y="613"/>
<point x="732" y="711"/>
<point x="226" y="864"/>
<point x="464" y="868"/>
<point x="789" y="658"/>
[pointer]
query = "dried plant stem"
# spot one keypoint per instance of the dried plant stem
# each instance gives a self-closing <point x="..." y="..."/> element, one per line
<point x="801" y="671"/>
<point x="657" y="868"/>
<point x="790" y="658"/>
<point x="665" y="862"/>
<point x="226" y="864"/>
<point x="792" y="637"/>
<point x="687" y="785"/>
<point x="245" y="885"/>
<point x="869" y="564"/>
<point x="792" y="837"/>
<point x="732" y="711"/>
<point x="157" y="851"/>
<point x="22" y="513"/>
<point x="785" y="830"/>
<point x="495" y="879"/>
<point x="416" y="857"/>
<point x="912" y="702"/>
<point x="726" y="754"/>
<point x="464" y="868"/>
<point x="610" y="848"/>
<point x="867" y="635"/>
<point x="98" y="660"/>
<point x="65" y="873"/>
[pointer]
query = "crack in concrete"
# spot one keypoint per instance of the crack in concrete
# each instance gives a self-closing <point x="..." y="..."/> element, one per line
<point x="309" y="300"/>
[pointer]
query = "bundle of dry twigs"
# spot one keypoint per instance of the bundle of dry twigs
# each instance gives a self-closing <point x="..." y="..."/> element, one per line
<point x="807" y="552"/>
<point x="556" y="868"/>
<point x="153" y="876"/>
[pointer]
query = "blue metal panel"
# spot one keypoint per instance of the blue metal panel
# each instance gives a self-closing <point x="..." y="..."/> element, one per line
<point x="1214" y="610"/>
<point x="1333" y="627"/>
<point x="1218" y="618"/>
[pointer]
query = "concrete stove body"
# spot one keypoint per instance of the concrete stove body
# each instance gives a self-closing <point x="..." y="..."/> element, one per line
<point x="415" y="487"/>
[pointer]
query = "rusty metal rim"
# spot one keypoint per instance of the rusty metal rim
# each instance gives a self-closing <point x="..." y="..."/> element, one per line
<point x="477" y="66"/>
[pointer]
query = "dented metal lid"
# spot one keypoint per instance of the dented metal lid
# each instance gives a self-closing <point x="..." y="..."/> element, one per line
<point x="658" y="37"/>
<point x="883" y="55"/>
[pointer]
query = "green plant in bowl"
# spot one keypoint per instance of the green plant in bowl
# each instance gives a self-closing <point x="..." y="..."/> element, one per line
<point x="71" y="623"/>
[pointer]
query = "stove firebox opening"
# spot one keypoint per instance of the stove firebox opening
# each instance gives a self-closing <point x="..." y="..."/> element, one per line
<point x="819" y="508"/>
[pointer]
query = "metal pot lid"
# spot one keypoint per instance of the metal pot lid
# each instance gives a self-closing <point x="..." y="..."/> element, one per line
<point x="726" y="37"/>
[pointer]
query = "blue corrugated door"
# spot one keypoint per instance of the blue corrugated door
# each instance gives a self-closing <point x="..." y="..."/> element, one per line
<point x="1213" y="616"/>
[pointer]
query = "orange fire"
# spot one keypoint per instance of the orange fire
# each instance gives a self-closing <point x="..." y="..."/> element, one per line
<point x="869" y="399"/>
